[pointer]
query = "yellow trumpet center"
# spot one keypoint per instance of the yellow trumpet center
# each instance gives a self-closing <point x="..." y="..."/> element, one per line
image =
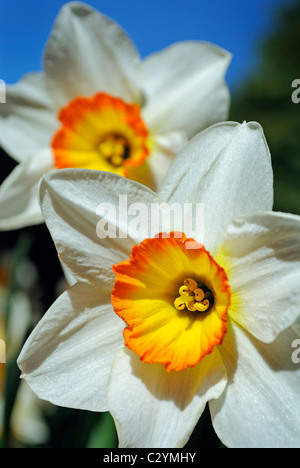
<point x="161" y="326"/>
<point x="103" y="133"/>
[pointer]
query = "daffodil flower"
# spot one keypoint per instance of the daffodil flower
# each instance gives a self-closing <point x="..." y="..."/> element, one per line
<point x="156" y="327"/>
<point x="97" y="105"/>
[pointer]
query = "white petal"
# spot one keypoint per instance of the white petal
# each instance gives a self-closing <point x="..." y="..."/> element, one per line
<point x="87" y="53"/>
<point x="260" y="407"/>
<point x="227" y="168"/>
<point x="19" y="205"/>
<point x="83" y="212"/>
<point x="185" y="87"/>
<point x="165" y="148"/>
<point x="29" y="119"/>
<point x="68" y="277"/>
<point x="262" y="252"/>
<point x="154" y="408"/>
<point x="67" y="358"/>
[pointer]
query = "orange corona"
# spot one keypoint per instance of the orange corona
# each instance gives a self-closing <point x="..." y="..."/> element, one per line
<point x="174" y="301"/>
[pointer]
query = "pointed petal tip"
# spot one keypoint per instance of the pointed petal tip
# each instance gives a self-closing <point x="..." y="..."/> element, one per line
<point x="246" y="126"/>
<point x="79" y="8"/>
<point x="253" y="125"/>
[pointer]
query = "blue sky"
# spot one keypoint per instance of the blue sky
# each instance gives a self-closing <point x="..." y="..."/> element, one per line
<point x="236" y="25"/>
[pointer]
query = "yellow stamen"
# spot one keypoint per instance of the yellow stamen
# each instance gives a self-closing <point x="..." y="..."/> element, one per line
<point x="115" y="149"/>
<point x="191" y="284"/>
<point x="179" y="304"/>
<point x="202" y="306"/>
<point x="184" y="291"/>
<point x="199" y="294"/>
<point x="192" y="297"/>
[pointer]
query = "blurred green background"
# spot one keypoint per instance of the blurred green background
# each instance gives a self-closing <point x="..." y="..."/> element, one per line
<point x="265" y="97"/>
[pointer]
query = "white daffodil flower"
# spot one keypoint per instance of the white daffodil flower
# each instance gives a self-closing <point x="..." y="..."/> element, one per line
<point x="97" y="105"/>
<point x="156" y="327"/>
